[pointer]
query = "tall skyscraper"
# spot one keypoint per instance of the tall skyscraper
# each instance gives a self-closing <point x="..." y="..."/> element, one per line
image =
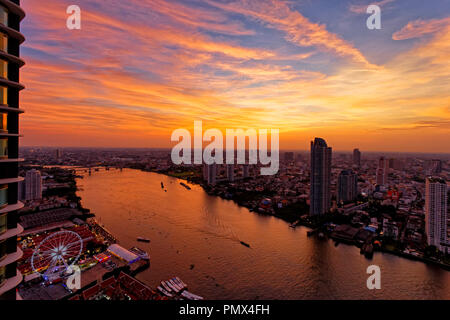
<point x="230" y="172"/>
<point x="357" y="157"/>
<point x="246" y="170"/>
<point x="205" y="172"/>
<point x="320" y="194"/>
<point x="382" y="172"/>
<point x="347" y="186"/>
<point x="33" y="185"/>
<point x="436" y="213"/>
<point x="10" y="39"/>
<point x="212" y="174"/>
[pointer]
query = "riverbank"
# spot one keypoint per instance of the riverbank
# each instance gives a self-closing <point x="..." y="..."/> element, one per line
<point x="196" y="237"/>
<point x="291" y="215"/>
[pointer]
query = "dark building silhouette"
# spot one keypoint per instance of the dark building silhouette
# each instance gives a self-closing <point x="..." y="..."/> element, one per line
<point x="10" y="39"/>
<point x="320" y="194"/>
<point x="382" y="172"/>
<point x="347" y="186"/>
<point x="288" y="156"/>
<point x="357" y="157"/>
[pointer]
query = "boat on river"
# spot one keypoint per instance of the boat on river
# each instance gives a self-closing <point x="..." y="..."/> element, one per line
<point x="185" y="185"/>
<point x="245" y="244"/>
<point x="164" y="292"/>
<point x="142" y="239"/>
<point x="140" y="253"/>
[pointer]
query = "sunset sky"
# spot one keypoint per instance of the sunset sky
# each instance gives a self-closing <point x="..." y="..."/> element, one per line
<point x="139" y="69"/>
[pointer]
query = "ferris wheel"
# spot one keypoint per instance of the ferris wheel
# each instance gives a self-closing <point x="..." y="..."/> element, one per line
<point x="57" y="253"/>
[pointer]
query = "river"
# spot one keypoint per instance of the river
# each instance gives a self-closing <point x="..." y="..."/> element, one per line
<point x="197" y="237"/>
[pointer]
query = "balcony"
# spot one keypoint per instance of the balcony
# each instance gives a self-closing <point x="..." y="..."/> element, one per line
<point x="3" y="196"/>
<point x="3" y="122"/>
<point x="11" y="232"/>
<point x="11" y="257"/>
<point x="10" y="283"/>
<point x="3" y="148"/>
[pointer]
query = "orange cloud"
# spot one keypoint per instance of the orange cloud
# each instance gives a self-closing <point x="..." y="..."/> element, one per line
<point x="299" y="29"/>
<point x="362" y="9"/>
<point x="130" y="82"/>
<point x="418" y="28"/>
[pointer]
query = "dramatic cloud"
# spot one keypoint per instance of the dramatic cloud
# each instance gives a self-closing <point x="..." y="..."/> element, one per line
<point x="299" y="29"/>
<point x="139" y="69"/>
<point x="418" y="28"/>
<point x="362" y="8"/>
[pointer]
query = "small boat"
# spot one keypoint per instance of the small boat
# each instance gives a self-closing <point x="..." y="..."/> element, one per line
<point x="140" y="253"/>
<point x="162" y="185"/>
<point x="245" y="244"/>
<point x="181" y="281"/>
<point x="180" y="288"/>
<point x="164" y="292"/>
<point x="166" y="287"/>
<point x="180" y="284"/>
<point x="142" y="239"/>
<point x="190" y="296"/>
<point x="294" y="224"/>
<point x="185" y="185"/>
<point x="171" y="286"/>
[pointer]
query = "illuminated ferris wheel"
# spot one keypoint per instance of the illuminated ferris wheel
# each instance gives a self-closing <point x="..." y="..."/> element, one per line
<point x="57" y="253"/>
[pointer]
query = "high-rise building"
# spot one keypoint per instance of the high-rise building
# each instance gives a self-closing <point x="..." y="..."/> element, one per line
<point x="347" y="186"/>
<point x="33" y="185"/>
<point x="320" y="193"/>
<point x="10" y="39"/>
<point x="396" y="164"/>
<point x="21" y="191"/>
<point x="382" y="172"/>
<point x="436" y="213"/>
<point x="246" y="171"/>
<point x="230" y="172"/>
<point x="205" y="172"/>
<point x="434" y="167"/>
<point x="357" y="157"/>
<point x="288" y="156"/>
<point x="212" y="174"/>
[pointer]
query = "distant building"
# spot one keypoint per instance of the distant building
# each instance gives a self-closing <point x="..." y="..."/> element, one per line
<point x="382" y="172"/>
<point x="246" y="171"/>
<point x="212" y="174"/>
<point x="320" y="194"/>
<point x="396" y="164"/>
<point x="434" y="167"/>
<point x="288" y="156"/>
<point x="21" y="190"/>
<point x="205" y="172"/>
<point x="436" y="213"/>
<point x="58" y="153"/>
<point x="33" y="185"/>
<point x="347" y="186"/>
<point x="230" y="172"/>
<point x="357" y="157"/>
<point x="390" y="229"/>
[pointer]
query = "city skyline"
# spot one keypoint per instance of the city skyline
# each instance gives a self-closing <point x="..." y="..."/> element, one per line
<point x="130" y="80"/>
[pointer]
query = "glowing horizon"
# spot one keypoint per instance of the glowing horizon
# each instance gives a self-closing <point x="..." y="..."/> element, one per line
<point x="137" y="70"/>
